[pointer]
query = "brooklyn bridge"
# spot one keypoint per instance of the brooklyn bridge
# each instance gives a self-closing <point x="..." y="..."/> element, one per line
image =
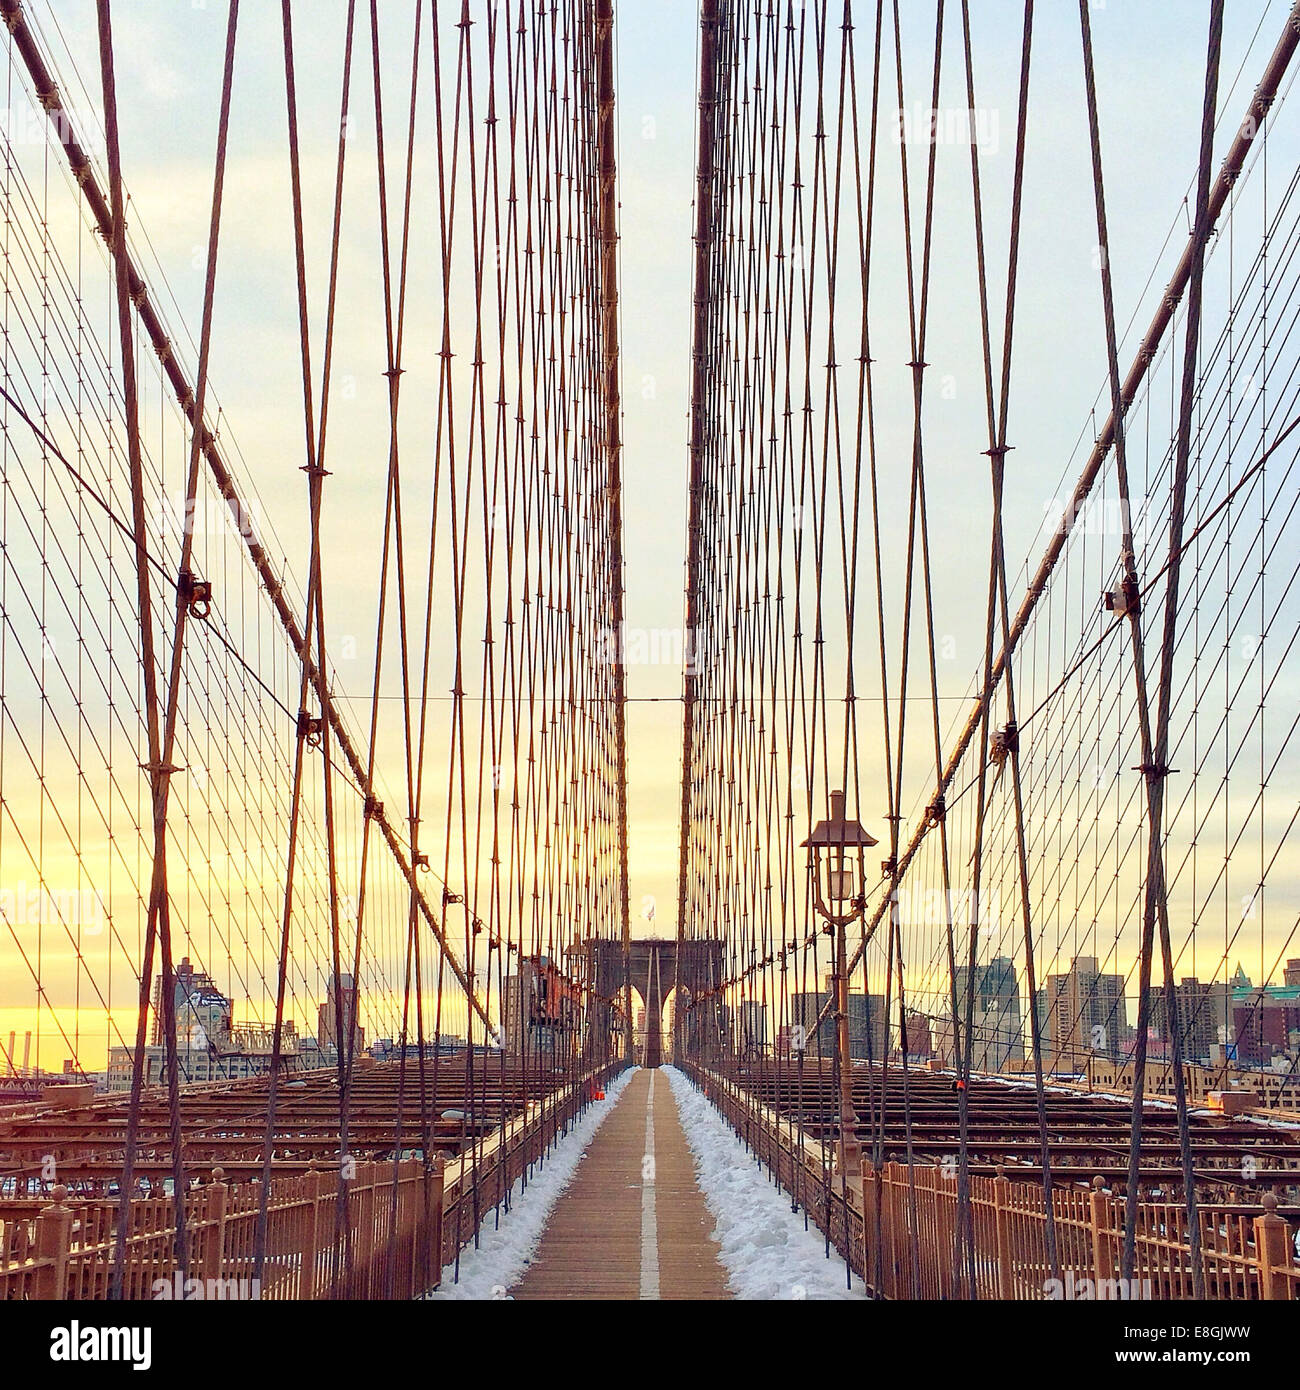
<point x="363" y="862"/>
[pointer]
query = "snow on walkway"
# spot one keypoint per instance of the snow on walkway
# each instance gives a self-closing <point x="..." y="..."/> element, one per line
<point x="765" y="1250"/>
<point x="505" y="1248"/>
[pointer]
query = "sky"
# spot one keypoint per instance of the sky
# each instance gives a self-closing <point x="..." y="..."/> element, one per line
<point x="1150" y="56"/>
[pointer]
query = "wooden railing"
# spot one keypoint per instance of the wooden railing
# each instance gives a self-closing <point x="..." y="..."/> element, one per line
<point x="403" y="1223"/>
<point x="897" y="1226"/>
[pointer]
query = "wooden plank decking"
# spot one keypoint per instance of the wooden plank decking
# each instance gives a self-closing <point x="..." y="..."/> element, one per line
<point x="626" y="1229"/>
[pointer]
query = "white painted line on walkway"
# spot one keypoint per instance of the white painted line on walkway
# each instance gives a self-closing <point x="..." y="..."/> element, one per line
<point x="649" y="1225"/>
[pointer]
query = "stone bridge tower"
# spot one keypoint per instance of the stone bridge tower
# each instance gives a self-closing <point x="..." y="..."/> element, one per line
<point x="655" y="967"/>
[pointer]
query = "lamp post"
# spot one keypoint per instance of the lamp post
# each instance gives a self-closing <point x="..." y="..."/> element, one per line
<point x="837" y="867"/>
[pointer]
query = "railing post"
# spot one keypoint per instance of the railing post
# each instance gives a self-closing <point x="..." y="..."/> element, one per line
<point x="1002" y="1225"/>
<point x="880" y="1231"/>
<point x="402" y="1255"/>
<point x="53" y="1238"/>
<point x="870" y="1178"/>
<point x="897" y="1248"/>
<point x="364" y="1188"/>
<point x="437" y="1181"/>
<point x="1103" y="1230"/>
<point x="213" y="1250"/>
<point x="309" y="1271"/>
<point x="1272" y="1253"/>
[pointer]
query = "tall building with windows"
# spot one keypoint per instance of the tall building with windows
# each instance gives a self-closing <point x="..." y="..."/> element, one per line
<point x="1082" y="1014"/>
<point x="539" y="1011"/>
<point x="1200" y="1015"/>
<point x="340" y="1002"/>
<point x="868" y="1026"/>
<point x="202" y="1012"/>
<point x="753" y="1026"/>
<point x="1264" y="1021"/>
<point x="917" y="1038"/>
<point x="997" y="1031"/>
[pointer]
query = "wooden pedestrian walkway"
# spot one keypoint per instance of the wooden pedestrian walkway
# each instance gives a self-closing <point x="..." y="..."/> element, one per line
<point x="633" y="1223"/>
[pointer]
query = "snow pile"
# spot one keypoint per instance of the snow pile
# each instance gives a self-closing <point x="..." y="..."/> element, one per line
<point x="1119" y="1098"/>
<point x="1260" y="1120"/>
<point x="765" y="1250"/>
<point x="506" y="1247"/>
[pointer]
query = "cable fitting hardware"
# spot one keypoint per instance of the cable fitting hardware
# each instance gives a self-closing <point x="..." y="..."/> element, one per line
<point x="310" y="728"/>
<point x="936" y="811"/>
<point x="164" y="769"/>
<point x="374" y="808"/>
<point x="195" y="594"/>
<point x="1004" y="741"/>
<point x="1124" y="602"/>
<point x="1154" y="770"/>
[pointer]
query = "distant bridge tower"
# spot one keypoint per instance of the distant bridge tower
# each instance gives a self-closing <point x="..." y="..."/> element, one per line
<point x="655" y="967"/>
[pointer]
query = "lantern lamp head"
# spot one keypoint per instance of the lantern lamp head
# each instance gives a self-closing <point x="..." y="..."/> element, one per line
<point x="836" y="855"/>
<point x="837" y="832"/>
